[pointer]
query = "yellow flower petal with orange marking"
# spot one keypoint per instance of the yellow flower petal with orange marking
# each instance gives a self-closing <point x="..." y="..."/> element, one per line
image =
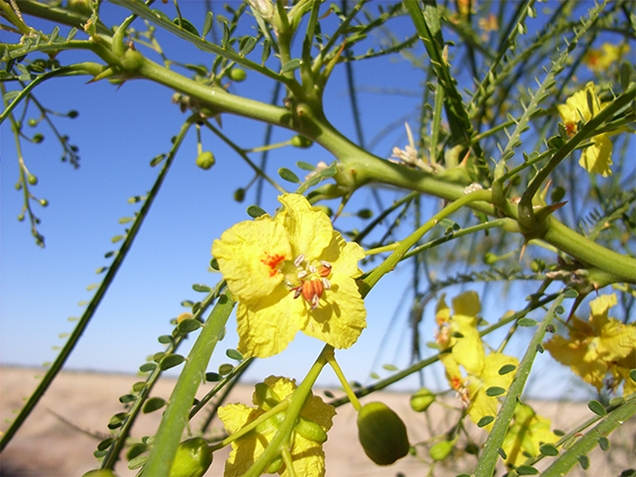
<point x="291" y="272"/>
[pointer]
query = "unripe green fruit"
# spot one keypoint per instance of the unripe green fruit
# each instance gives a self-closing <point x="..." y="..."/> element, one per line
<point x="32" y="179"/>
<point x="382" y="433"/>
<point x="301" y="141"/>
<point x="100" y="473"/>
<point x="192" y="459"/>
<point x="205" y="160"/>
<point x="422" y="399"/>
<point x="237" y="74"/>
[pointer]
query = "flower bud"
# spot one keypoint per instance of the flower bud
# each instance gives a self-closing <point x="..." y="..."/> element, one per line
<point x="311" y="431"/>
<point x="441" y="450"/>
<point x="301" y="141"/>
<point x="32" y="179"/>
<point x="422" y="399"/>
<point x="382" y="433"/>
<point x="205" y="160"/>
<point x="238" y="75"/>
<point x="38" y="138"/>
<point x="192" y="459"/>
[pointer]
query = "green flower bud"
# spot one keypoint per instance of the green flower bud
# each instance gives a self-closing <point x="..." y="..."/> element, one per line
<point x="32" y="122"/>
<point x="238" y="75"/>
<point x="18" y="186"/>
<point x="274" y="466"/>
<point x="490" y="258"/>
<point x="43" y="202"/>
<point x="100" y="473"/>
<point x="311" y="431"/>
<point x="205" y="160"/>
<point x="192" y="459"/>
<point x="382" y="433"/>
<point x="422" y="399"/>
<point x="72" y="114"/>
<point x="301" y="141"/>
<point x="239" y="194"/>
<point x="441" y="450"/>
<point x="21" y="217"/>
<point x="81" y="6"/>
<point x="32" y="179"/>
<point x="38" y="138"/>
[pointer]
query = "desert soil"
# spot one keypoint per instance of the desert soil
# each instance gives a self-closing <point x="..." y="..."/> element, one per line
<point x="61" y="434"/>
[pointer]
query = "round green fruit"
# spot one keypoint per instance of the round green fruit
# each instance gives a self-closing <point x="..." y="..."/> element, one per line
<point x="382" y="433"/>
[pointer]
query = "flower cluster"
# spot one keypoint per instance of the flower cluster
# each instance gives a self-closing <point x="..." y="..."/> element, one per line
<point x="306" y="451"/>
<point x="598" y="347"/>
<point x="458" y="336"/>
<point x="288" y="273"/>
<point x="601" y="59"/>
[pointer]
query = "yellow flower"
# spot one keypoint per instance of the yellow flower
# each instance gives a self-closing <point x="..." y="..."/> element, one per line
<point x="525" y="435"/>
<point x="601" y="59"/>
<point x="598" y="346"/>
<point x="291" y="272"/>
<point x="307" y="455"/>
<point x="458" y="334"/>
<point x="581" y="107"/>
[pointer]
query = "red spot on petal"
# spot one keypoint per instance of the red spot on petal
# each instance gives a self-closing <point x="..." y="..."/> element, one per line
<point x="273" y="261"/>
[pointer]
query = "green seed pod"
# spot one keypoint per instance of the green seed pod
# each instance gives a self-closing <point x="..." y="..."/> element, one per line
<point x="32" y="179"/>
<point x="238" y="75"/>
<point x="301" y="141"/>
<point x="422" y="399"/>
<point x="311" y="431"/>
<point x="100" y="473"/>
<point x="382" y="433"/>
<point x="192" y="459"/>
<point x="205" y="160"/>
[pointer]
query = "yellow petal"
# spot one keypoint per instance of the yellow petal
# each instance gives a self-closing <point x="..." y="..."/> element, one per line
<point x="597" y="158"/>
<point x="267" y="326"/>
<point x="309" y="228"/>
<point x="248" y="254"/>
<point x="467" y="304"/>
<point x="341" y="316"/>
<point x="599" y="308"/>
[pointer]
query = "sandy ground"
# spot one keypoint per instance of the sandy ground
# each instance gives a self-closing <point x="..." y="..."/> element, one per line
<point x="56" y="440"/>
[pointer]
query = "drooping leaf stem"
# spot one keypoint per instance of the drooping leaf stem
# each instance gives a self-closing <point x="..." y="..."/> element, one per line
<point x="405" y="245"/>
<point x="489" y="455"/>
<point x="97" y="298"/>
<point x="175" y="417"/>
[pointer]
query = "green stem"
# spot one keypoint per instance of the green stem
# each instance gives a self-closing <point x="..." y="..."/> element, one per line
<point x="295" y="406"/>
<point x="615" y="418"/>
<point x="392" y="260"/>
<point x="489" y="455"/>
<point x="344" y="383"/>
<point x="175" y="417"/>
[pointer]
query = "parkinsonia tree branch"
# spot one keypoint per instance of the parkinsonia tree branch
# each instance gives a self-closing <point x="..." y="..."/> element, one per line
<point x="358" y="167"/>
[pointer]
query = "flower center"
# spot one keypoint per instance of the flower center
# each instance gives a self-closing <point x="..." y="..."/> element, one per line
<point x="309" y="279"/>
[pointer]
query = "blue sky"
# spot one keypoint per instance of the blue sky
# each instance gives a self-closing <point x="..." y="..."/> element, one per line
<point x="118" y="131"/>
